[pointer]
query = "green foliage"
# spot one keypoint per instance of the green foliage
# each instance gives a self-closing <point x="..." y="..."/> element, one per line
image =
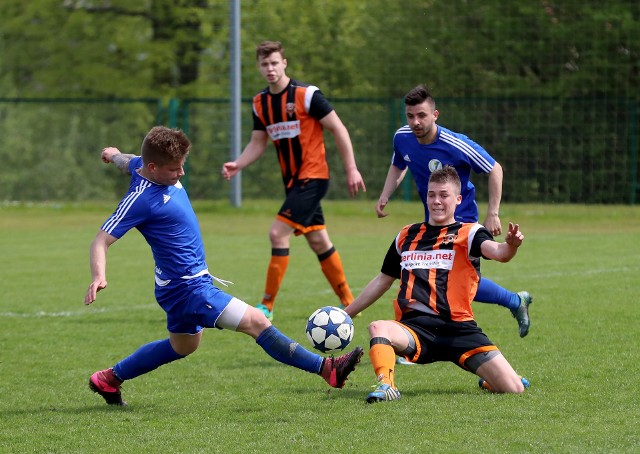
<point x="548" y="88"/>
<point x="231" y="397"/>
<point x="351" y="49"/>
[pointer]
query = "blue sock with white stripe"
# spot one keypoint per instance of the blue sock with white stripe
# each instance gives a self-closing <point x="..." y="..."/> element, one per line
<point x="286" y="351"/>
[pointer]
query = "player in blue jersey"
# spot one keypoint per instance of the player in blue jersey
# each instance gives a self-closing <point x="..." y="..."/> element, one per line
<point x="158" y="206"/>
<point x="422" y="146"/>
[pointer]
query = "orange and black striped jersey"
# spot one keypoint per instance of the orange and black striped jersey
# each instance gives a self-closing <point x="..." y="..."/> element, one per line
<point x="291" y="118"/>
<point x="438" y="268"/>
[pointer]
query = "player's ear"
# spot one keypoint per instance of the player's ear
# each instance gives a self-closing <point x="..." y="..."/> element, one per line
<point x="458" y="199"/>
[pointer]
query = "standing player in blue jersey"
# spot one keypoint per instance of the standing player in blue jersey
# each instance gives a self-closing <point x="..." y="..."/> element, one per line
<point x="158" y="206"/>
<point x="423" y="147"/>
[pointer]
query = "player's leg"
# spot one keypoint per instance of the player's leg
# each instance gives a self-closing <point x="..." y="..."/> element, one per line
<point x="241" y="317"/>
<point x="279" y="235"/>
<point x="498" y="376"/>
<point x="184" y="338"/>
<point x="149" y="357"/>
<point x="517" y="303"/>
<point x="331" y="264"/>
<point x="472" y="350"/>
<point x="386" y="339"/>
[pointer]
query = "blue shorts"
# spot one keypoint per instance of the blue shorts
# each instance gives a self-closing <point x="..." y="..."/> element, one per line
<point x="192" y="305"/>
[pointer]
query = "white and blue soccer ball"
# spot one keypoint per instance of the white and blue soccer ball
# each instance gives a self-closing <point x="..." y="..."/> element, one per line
<point x="329" y="329"/>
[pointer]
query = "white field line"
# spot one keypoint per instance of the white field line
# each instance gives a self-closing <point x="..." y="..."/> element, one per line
<point x="325" y="292"/>
<point x="79" y="313"/>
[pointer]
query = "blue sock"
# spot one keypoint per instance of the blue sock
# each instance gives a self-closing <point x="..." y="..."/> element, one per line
<point x="492" y="293"/>
<point x="285" y="350"/>
<point x="145" y="359"/>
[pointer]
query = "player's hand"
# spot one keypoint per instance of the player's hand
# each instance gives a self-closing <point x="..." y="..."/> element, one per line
<point x="108" y="153"/>
<point x="492" y="224"/>
<point x="229" y="169"/>
<point x="93" y="290"/>
<point x="514" y="236"/>
<point x="382" y="203"/>
<point x="355" y="182"/>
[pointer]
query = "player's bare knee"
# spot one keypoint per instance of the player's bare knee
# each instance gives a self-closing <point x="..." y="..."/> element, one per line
<point x="253" y="322"/>
<point x="378" y="328"/>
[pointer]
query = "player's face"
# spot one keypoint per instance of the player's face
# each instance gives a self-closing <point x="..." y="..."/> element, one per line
<point x="442" y="200"/>
<point x="421" y="118"/>
<point x="168" y="174"/>
<point x="272" y="68"/>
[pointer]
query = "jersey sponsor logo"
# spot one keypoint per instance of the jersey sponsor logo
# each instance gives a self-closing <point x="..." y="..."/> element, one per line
<point x="425" y="260"/>
<point x="284" y="130"/>
<point x="165" y="198"/>
<point x="434" y="165"/>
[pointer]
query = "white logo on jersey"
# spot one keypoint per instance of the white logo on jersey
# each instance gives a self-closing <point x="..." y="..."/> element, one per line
<point x="165" y="198"/>
<point x="284" y="130"/>
<point x="425" y="260"/>
<point x="434" y="165"/>
<point x="407" y="158"/>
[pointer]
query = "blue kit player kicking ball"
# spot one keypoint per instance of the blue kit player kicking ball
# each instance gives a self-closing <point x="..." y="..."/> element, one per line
<point x="157" y="205"/>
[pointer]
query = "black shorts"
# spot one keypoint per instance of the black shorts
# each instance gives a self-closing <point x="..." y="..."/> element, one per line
<point x="441" y="340"/>
<point x="301" y="209"/>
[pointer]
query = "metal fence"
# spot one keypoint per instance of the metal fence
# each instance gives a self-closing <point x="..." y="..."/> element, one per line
<point x="552" y="150"/>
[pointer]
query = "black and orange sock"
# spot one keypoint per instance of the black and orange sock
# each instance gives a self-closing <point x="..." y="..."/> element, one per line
<point x="331" y="265"/>
<point x="275" y="272"/>
<point x="383" y="360"/>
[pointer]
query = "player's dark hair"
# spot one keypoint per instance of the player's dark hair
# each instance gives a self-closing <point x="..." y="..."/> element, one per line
<point x="162" y="145"/>
<point x="447" y="174"/>
<point x="418" y="95"/>
<point x="266" y="48"/>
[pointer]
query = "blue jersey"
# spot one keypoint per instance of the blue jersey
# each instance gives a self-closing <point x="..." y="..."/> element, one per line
<point x="165" y="217"/>
<point x="449" y="148"/>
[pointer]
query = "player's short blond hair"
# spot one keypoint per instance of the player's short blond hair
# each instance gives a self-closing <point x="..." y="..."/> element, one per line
<point x="163" y="145"/>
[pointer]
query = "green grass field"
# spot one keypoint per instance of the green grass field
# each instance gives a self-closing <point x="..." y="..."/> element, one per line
<point x="581" y="264"/>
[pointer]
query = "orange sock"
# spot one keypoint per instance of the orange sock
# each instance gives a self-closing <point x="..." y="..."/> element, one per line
<point x="383" y="360"/>
<point x="275" y="272"/>
<point x="334" y="272"/>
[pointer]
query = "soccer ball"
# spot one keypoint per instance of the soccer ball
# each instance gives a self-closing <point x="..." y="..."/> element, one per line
<point x="329" y="329"/>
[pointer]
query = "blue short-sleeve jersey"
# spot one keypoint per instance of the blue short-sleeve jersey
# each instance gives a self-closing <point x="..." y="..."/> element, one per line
<point x="449" y="148"/>
<point x="165" y="218"/>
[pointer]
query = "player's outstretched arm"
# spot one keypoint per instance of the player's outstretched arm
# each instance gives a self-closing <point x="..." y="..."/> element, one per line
<point x="503" y="252"/>
<point x="370" y="294"/>
<point x="251" y="153"/>
<point x="391" y="183"/>
<point x="113" y="155"/>
<point x="98" y="264"/>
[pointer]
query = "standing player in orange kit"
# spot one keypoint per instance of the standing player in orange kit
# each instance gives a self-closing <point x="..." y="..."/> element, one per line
<point x="293" y="115"/>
